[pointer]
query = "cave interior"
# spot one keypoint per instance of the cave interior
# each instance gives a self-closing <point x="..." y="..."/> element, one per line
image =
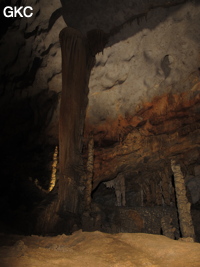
<point x="100" y="120"/>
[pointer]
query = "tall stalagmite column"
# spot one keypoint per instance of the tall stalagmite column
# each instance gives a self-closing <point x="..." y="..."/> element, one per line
<point x="72" y="115"/>
<point x="60" y="211"/>
<point x="186" y="225"/>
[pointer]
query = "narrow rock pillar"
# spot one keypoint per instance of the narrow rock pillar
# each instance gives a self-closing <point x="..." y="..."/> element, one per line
<point x="89" y="174"/>
<point x="186" y="224"/>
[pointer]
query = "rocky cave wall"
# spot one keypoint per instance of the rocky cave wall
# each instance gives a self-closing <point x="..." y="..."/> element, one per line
<point x="30" y="87"/>
<point x="143" y="102"/>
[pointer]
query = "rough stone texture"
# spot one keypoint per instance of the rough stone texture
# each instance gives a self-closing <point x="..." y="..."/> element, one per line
<point x="158" y="53"/>
<point x="108" y="15"/>
<point x="167" y="126"/>
<point x="193" y="185"/>
<point x="186" y="225"/>
<point x="75" y="73"/>
<point x="156" y="57"/>
<point x="98" y="249"/>
<point x="167" y="228"/>
<point x="29" y="86"/>
<point x="144" y="104"/>
<point x="31" y="71"/>
<point x="89" y="174"/>
<point x="127" y="219"/>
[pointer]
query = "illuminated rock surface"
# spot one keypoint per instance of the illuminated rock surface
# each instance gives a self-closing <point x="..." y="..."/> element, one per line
<point x="98" y="249"/>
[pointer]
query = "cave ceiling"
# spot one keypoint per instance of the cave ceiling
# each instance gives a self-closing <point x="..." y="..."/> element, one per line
<point x="109" y="15"/>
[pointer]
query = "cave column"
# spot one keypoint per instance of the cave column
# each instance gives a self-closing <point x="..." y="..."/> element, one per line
<point x="63" y="205"/>
<point x="72" y="115"/>
<point x="186" y="224"/>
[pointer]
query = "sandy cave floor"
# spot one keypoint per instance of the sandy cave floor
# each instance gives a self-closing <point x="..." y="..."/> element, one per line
<point x="96" y="249"/>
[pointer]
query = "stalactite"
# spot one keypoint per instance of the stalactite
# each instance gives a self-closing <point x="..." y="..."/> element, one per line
<point x="158" y="194"/>
<point x="165" y="184"/>
<point x="147" y="194"/>
<point x="186" y="224"/>
<point x="74" y="83"/>
<point x="120" y="191"/>
<point x="172" y="194"/>
<point x="153" y="191"/>
<point x="54" y="170"/>
<point x="119" y="185"/>
<point x="141" y="197"/>
<point x="89" y="173"/>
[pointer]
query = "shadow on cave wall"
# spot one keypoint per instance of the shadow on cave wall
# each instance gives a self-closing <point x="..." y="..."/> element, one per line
<point x="26" y="154"/>
<point x="111" y="16"/>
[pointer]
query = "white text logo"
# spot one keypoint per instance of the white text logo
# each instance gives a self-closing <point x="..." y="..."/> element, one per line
<point x="21" y="11"/>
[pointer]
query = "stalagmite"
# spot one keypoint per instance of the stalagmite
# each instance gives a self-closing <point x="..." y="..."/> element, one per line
<point x="167" y="227"/>
<point x="186" y="224"/>
<point x="153" y="190"/>
<point x="158" y="194"/>
<point x="89" y="174"/>
<point x="147" y="193"/>
<point x="141" y="197"/>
